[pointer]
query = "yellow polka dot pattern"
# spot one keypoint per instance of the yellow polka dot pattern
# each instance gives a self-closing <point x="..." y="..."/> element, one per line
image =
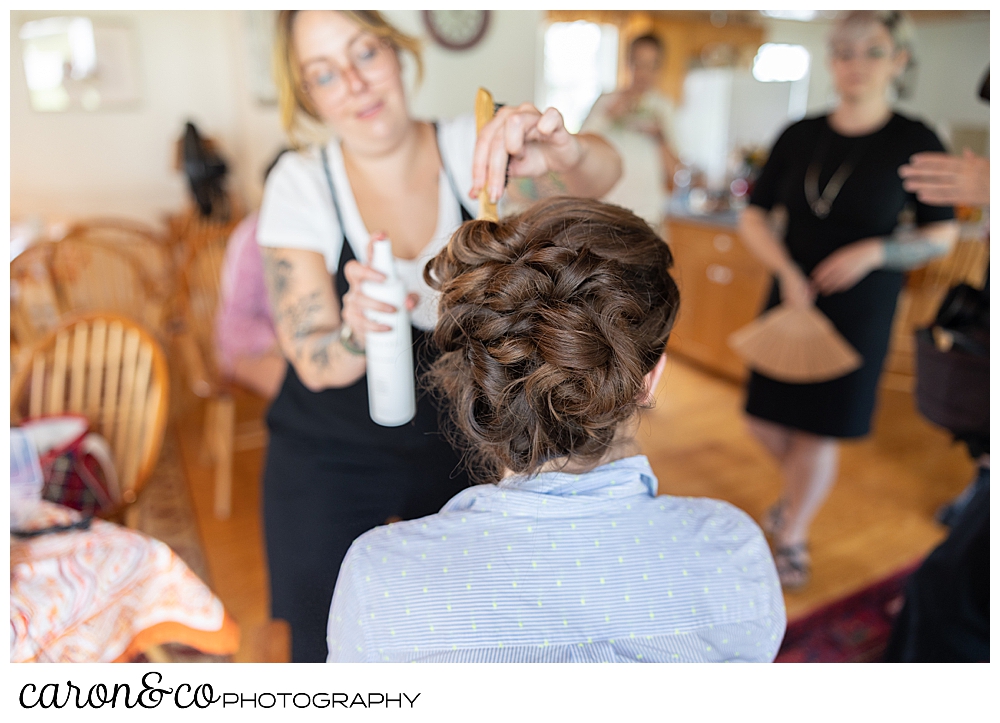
<point x="562" y="568"/>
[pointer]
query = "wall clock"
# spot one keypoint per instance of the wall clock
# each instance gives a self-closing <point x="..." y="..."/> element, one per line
<point x="457" y="29"/>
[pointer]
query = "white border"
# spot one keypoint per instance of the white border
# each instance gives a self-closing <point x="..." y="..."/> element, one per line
<point x="552" y="692"/>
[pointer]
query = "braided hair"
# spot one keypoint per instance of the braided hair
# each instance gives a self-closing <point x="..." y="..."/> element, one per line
<point x="548" y="323"/>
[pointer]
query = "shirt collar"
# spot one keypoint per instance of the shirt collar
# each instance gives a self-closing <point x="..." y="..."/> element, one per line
<point x="561" y="493"/>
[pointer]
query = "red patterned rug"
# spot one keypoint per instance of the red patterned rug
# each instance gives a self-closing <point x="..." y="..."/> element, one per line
<point x="854" y="629"/>
<point x="166" y="512"/>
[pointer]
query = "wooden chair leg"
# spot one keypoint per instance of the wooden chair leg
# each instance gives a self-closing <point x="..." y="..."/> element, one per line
<point x="270" y="642"/>
<point x="223" y="455"/>
<point x="157" y="654"/>
<point x="131" y="517"/>
<point x="207" y="440"/>
<point x="251" y="434"/>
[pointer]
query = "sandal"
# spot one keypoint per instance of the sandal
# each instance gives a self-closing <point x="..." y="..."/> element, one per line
<point x="770" y="523"/>
<point x="793" y="564"/>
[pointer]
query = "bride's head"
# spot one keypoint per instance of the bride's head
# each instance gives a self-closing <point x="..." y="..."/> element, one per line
<point x="552" y="327"/>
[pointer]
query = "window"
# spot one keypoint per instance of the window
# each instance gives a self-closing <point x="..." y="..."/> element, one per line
<point x="781" y="63"/>
<point x="71" y="64"/>
<point x="778" y="62"/>
<point x="800" y="15"/>
<point x="580" y="62"/>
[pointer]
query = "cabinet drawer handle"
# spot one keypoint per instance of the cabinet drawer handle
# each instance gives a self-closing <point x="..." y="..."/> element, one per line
<point x="719" y="274"/>
<point x="722" y="242"/>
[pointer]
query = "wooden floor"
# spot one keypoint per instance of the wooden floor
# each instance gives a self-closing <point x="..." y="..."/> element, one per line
<point x="234" y="548"/>
<point x="880" y="515"/>
<point x="878" y="518"/>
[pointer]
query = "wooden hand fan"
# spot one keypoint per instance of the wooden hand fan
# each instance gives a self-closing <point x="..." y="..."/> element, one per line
<point x="485" y="110"/>
<point x="798" y="346"/>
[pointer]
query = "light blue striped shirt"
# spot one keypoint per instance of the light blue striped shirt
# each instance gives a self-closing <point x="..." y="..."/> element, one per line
<point x="562" y="568"/>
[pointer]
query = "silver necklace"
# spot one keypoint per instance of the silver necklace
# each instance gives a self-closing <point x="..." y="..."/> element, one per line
<point x="821" y="203"/>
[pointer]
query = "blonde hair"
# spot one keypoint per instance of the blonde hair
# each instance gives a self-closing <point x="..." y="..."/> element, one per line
<point x="293" y="101"/>
<point x="900" y="28"/>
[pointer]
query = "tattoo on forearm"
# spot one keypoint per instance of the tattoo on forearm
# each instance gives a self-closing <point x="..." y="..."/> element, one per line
<point x="277" y="273"/>
<point x="297" y="319"/>
<point x="909" y="250"/>
<point x="320" y="356"/>
<point x="300" y="316"/>
<point x="297" y="316"/>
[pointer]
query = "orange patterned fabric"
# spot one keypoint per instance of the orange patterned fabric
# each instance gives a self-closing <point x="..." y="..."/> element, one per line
<point x="106" y="594"/>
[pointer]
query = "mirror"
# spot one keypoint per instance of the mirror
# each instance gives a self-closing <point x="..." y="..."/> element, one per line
<point x="261" y="26"/>
<point x="71" y="63"/>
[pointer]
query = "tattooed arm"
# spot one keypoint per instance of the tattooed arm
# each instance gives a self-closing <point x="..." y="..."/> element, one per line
<point x="912" y="248"/>
<point x="902" y="251"/>
<point x="307" y="318"/>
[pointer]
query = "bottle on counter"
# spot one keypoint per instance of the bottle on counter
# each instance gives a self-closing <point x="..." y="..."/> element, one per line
<point x="389" y="354"/>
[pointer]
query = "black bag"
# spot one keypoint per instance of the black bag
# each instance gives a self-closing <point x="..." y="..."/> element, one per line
<point x="953" y="364"/>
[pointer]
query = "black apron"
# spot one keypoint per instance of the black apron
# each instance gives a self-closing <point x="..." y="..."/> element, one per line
<point x="332" y="474"/>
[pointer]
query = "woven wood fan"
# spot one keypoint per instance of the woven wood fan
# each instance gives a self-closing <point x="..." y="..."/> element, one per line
<point x="798" y="346"/>
<point x="485" y="110"/>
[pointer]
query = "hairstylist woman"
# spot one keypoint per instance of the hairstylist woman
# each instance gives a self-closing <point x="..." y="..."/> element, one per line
<point x="843" y="251"/>
<point x="331" y="472"/>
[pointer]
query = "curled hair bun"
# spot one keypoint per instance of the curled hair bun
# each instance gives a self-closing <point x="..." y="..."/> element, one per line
<point x="548" y="323"/>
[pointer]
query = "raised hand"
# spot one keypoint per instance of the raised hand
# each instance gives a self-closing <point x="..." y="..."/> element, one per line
<point x="942" y="180"/>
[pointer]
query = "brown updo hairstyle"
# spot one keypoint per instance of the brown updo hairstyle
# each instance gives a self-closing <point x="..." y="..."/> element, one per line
<point x="548" y="323"/>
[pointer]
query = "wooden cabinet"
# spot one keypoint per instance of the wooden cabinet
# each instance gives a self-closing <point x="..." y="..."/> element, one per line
<point x="722" y="288"/>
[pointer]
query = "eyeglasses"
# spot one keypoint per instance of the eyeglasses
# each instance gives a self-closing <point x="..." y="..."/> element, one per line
<point x="846" y="53"/>
<point x="369" y="58"/>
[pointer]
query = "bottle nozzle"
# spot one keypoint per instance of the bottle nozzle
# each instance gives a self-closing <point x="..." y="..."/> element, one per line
<point x="382" y="260"/>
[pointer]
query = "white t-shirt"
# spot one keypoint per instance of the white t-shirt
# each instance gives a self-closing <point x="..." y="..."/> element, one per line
<point x="640" y="189"/>
<point x="297" y="211"/>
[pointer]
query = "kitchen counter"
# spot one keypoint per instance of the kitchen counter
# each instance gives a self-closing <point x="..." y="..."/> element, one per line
<point x="680" y="212"/>
<point x="722" y="288"/>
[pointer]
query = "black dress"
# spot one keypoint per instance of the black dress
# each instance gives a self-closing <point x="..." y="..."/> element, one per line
<point x="869" y="204"/>
<point x="332" y="474"/>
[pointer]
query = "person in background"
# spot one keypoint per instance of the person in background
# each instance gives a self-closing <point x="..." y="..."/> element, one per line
<point x="946" y="614"/>
<point x="553" y="326"/>
<point x="246" y="346"/>
<point x="943" y="179"/>
<point x="638" y="120"/>
<point x="844" y="251"/>
<point x="331" y="472"/>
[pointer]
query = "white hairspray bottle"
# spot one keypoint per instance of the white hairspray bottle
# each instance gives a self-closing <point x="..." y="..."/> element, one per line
<point x="389" y="354"/>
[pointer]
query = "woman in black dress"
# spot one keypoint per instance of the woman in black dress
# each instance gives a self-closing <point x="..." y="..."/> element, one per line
<point x="845" y="251"/>
<point x="332" y="473"/>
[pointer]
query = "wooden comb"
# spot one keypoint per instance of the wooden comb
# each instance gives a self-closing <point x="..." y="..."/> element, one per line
<point x="485" y="110"/>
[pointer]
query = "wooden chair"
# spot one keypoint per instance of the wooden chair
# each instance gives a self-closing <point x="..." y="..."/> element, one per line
<point x="140" y="242"/>
<point x="195" y="341"/>
<point x="75" y="275"/>
<point x="919" y="301"/>
<point x="111" y="370"/>
<point x="35" y="308"/>
<point x="188" y="229"/>
<point x="97" y="277"/>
